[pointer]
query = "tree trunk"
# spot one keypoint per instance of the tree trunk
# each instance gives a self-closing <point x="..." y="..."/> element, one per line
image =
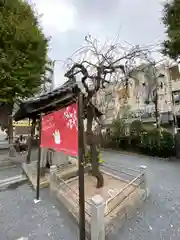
<point x="156" y="113"/>
<point x="92" y="142"/>
<point x="30" y="140"/>
<point x="12" y="151"/>
<point x="155" y="101"/>
<point x="157" y="119"/>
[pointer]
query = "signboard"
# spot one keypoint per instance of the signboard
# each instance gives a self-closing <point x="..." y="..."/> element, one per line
<point x="60" y="130"/>
<point x="21" y="123"/>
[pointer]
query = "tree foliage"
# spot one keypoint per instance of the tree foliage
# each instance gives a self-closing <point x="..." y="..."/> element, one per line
<point x="136" y="128"/>
<point x="23" y="51"/>
<point x="171" y="20"/>
<point x="118" y="127"/>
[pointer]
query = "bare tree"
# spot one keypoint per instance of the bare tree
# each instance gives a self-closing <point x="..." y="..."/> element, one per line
<point x="99" y="66"/>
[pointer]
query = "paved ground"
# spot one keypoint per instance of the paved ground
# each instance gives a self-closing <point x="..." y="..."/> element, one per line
<point x="42" y="221"/>
<point x="9" y="169"/>
<point x="159" y="218"/>
<point x="7" y="172"/>
<point x="19" y="216"/>
<point x="3" y="143"/>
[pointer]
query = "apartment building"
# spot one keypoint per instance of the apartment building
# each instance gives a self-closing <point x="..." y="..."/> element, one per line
<point x="106" y="100"/>
<point x="136" y="102"/>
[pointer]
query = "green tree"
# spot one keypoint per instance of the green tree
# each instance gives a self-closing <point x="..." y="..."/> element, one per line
<point x="136" y="128"/>
<point x="171" y="20"/>
<point x="118" y="127"/>
<point x="23" y="53"/>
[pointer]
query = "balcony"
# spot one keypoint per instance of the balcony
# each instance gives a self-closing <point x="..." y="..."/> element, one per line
<point x="177" y="109"/>
<point x="175" y="85"/>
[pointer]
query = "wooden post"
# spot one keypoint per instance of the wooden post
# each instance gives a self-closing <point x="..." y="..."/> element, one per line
<point x="38" y="164"/>
<point x="81" y="167"/>
<point x="33" y="125"/>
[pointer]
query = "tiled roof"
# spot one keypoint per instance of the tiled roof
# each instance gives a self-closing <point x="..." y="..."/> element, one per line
<point x="47" y="102"/>
<point x="51" y="101"/>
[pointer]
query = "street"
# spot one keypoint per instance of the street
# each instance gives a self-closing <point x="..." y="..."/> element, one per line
<point x="158" y="218"/>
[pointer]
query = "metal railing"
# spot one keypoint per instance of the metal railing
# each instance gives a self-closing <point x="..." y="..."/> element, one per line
<point x="121" y="193"/>
<point x="121" y="169"/>
<point x="63" y="184"/>
<point x="131" y="176"/>
<point x="131" y="191"/>
<point x="127" y="210"/>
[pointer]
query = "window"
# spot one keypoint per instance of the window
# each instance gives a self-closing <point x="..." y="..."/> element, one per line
<point x="174" y="73"/>
<point x="108" y="97"/>
<point x="176" y="97"/>
<point x="110" y="113"/>
<point x="111" y="103"/>
<point x="154" y="93"/>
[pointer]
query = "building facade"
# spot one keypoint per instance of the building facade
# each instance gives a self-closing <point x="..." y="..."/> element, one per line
<point x="136" y="101"/>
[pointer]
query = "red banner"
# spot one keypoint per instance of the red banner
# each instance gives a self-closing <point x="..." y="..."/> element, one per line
<point x="60" y="130"/>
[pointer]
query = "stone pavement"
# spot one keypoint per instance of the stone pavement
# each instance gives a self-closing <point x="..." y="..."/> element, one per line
<point x="21" y="217"/>
<point x="5" y="160"/>
<point x="4" y="145"/>
<point x="10" y="171"/>
<point x="159" y="218"/>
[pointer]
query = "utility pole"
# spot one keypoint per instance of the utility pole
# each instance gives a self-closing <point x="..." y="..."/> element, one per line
<point x="156" y="101"/>
<point x="174" y="122"/>
<point x="156" y="109"/>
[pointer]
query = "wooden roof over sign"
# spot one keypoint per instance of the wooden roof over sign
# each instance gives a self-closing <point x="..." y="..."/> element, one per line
<point x="49" y="102"/>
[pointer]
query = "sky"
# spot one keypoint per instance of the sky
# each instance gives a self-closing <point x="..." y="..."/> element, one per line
<point x="67" y="22"/>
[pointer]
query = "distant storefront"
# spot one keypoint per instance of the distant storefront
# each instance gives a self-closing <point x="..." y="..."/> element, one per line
<point x="22" y="128"/>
